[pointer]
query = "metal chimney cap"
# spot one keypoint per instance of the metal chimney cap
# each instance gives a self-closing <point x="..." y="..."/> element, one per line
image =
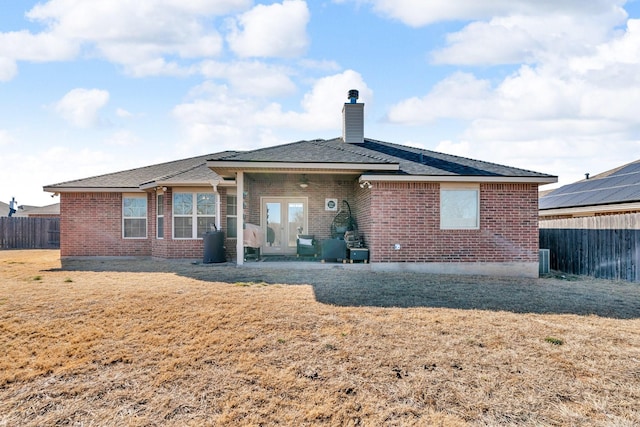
<point x="353" y="95"/>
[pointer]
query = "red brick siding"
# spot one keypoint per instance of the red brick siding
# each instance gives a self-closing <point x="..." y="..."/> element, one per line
<point x="320" y="187"/>
<point x="408" y="214"/>
<point x="178" y="248"/>
<point x="91" y="225"/>
<point x="388" y="213"/>
<point x="363" y="212"/>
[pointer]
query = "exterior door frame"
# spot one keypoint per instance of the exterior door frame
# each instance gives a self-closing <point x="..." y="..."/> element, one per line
<point x="284" y="237"/>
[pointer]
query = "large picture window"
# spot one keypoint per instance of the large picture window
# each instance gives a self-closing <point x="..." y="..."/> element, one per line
<point x="193" y="214"/>
<point x="134" y="217"/>
<point x="459" y="208"/>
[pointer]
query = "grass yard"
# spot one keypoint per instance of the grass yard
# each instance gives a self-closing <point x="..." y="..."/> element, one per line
<point x="140" y="343"/>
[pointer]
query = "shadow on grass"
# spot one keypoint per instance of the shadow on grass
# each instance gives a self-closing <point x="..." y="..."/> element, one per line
<point x="333" y="285"/>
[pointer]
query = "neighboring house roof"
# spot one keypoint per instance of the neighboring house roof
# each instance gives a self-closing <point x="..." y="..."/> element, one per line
<point x="4" y="209"/>
<point x="193" y="168"/>
<point x="377" y="158"/>
<point x="27" y="210"/>
<point x="49" y="210"/>
<point x="616" y="186"/>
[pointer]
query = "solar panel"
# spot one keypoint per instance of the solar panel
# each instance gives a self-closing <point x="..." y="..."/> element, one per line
<point x="620" y="186"/>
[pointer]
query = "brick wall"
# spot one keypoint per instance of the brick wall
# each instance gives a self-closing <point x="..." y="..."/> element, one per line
<point x="320" y="187"/>
<point x="388" y="213"/>
<point x="91" y="225"/>
<point x="408" y="214"/>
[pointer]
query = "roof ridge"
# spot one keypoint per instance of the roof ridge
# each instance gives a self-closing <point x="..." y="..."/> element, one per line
<point x="257" y="150"/>
<point x="173" y="174"/>
<point x="350" y="145"/>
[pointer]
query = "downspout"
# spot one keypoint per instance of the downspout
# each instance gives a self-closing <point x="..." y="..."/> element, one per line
<point x="240" y="218"/>
<point x="214" y="184"/>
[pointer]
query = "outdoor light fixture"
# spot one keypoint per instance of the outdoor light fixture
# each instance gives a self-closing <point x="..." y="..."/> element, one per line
<point x="365" y="184"/>
<point x="304" y="182"/>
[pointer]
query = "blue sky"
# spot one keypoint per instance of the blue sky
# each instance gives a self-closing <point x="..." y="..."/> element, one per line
<point x="88" y="88"/>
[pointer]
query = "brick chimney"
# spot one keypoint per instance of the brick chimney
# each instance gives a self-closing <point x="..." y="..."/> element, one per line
<point x="353" y="119"/>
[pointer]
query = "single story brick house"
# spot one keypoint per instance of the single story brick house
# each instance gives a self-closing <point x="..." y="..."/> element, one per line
<point x="415" y="209"/>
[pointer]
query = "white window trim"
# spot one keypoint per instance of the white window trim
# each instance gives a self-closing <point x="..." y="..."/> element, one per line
<point x="146" y="214"/>
<point x="461" y="187"/>
<point x="158" y="216"/>
<point x="232" y="192"/>
<point x="194" y="224"/>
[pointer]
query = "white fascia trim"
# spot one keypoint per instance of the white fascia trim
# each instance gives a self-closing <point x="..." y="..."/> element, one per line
<point x="93" y="190"/>
<point x="249" y="166"/>
<point x="457" y="178"/>
<point x="588" y="210"/>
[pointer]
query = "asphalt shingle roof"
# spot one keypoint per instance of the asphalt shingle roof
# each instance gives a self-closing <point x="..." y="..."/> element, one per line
<point x="133" y="178"/>
<point x="411" y="161"/>
<point x="315" y="151"/>
<point x="620" y="185"/>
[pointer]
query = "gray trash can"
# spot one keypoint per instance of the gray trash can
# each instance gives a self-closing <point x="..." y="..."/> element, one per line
<point x="213" y="247"/>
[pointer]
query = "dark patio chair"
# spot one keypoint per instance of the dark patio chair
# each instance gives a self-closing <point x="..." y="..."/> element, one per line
<point x="306" y="245"/>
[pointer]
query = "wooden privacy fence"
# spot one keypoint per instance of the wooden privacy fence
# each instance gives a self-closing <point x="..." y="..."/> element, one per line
<point x="606" y="247"/>
<point x="29" y="233"/>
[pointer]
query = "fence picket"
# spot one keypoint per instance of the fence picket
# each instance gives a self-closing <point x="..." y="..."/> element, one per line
<point x="605" y="246"/>
<point x="29" y="233"/>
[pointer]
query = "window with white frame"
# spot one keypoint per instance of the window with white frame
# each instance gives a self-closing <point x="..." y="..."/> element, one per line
<point x="193" y="214"/>
<point x="459" y="207"/>
<point x="232" y="215"/>
<point x="160" y="216"/>
<point x="134" y="216"/>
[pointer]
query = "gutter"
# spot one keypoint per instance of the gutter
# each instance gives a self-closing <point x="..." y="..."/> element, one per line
<point x="459" y="178"/>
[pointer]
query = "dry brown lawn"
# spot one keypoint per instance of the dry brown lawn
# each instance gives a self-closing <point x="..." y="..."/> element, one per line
<point x="139" y="343"/>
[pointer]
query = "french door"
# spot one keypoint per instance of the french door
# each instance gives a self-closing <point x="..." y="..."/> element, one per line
<point x="283" y="218"/>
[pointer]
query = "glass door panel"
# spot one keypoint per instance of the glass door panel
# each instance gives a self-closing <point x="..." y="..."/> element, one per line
<point x="273" y="223"/>
<point x="295" y="218"/>
<point x="282" y="220"/>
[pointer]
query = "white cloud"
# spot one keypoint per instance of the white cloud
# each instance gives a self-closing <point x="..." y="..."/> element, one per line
<point x="419" y="12"/>
<point x="5" y="138"/>
<point x="588" y="90"/>
<point x="122" y="113"/>
<point x="251" y="78"/>
<point x="460" y="95"/>
<point x="276" y="30"/>
<point x="323" y="65"/>
<point x="321" y="107"/>
<point x="218" y="118"/>
<point x="571" y="111"/>
<point x="614" y="61"/>
<point x="518" y="38"/>
<point x="24" y="46"/>
<point x="140" y="35"/>
<point x="54" y="164"/>
<point x="8" y="69"/>
<point x="80" y="106"/>
<point x="123" y="138"/>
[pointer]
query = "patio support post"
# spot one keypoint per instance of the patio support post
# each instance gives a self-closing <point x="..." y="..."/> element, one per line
<point x="240" y="218"/>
